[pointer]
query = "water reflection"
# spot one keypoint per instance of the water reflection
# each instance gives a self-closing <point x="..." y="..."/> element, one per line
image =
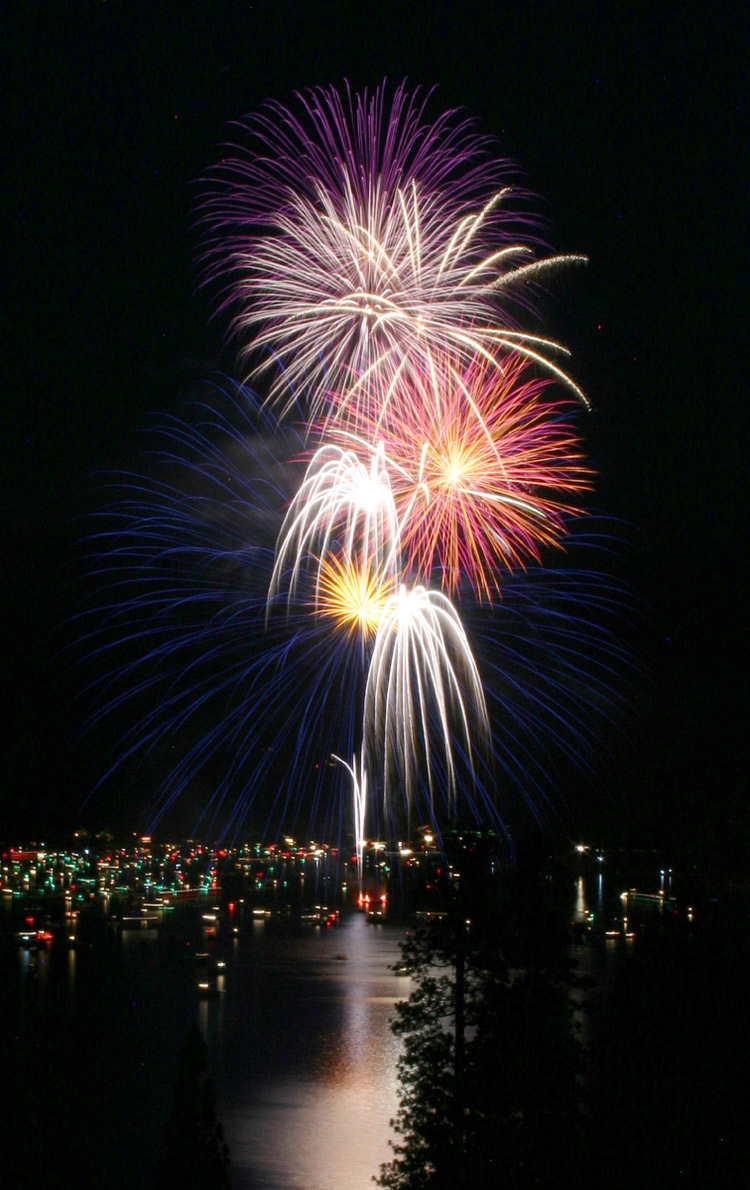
<point x="581" y="913"/>
<point x="298" y="1031"/>
<point x="322" y="1121"/>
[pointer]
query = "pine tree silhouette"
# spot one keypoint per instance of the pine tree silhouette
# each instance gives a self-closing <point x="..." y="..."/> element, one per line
<point x="194" y="1154"/>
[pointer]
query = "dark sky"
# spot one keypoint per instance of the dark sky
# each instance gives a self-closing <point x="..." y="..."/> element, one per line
<point x="630" y="122"/>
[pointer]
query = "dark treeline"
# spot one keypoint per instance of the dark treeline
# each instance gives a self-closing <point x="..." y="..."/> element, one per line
<point x="194" y="1154"/>
<point x="497" y="1086"/>
<point x="668" y="1058"/>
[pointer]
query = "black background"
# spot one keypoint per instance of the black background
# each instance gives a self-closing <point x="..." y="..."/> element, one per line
<point x="630" y="121"/>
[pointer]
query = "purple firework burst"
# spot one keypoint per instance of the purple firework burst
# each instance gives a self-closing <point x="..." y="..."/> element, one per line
<point x="351" y="238"/>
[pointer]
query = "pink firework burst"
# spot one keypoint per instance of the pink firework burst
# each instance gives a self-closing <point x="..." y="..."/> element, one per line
<point x="484" y="468"/>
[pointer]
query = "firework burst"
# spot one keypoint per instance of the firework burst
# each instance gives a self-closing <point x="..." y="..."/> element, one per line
<point x="355" y="239"/>
<point x="384" y="260"/>
<point x="353" y="597"/>
<point x="342" y="509"/>
<point x="482" y="466"/>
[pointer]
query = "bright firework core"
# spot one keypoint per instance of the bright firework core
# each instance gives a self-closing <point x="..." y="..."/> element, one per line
<point x="352" y="595"/>
<point x="483" y="470"/>
<point x="456" y="464"/>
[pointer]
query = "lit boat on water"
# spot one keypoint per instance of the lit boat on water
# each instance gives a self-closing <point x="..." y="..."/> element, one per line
<point x="209" y="974"/>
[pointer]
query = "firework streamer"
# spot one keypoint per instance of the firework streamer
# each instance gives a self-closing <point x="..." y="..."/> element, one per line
<point x="423" y="687"/>
<point x="343" y="521"/>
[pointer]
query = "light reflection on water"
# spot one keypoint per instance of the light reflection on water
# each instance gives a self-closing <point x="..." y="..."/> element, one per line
<point x="314" y="1113"/>
<point x="300" y="1046"/>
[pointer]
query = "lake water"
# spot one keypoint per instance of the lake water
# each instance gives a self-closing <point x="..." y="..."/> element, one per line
<point x="300" y="1047"/>
<point x="304" y="1057"/>
<point x="300" y="1051"/>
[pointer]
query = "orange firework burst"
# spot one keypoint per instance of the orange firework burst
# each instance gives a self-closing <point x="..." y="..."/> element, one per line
<point x="482" y="468"/>
<point x="353" y="595"/>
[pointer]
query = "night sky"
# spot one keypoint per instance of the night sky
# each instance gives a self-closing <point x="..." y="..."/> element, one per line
<point x="630" y="123"/>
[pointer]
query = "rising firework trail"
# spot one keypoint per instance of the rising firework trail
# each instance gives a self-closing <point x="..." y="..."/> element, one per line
<point x="358" y="774"/>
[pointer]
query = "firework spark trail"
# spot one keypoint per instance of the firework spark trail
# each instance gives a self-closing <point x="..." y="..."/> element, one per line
<point x="358" y="774"/>
<point x="357" y="238"/>
<point x="342" y="510"/>
<point x="421" y="676"/>
<point x="181" y="565"/>
<point x="555" y="662"/>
